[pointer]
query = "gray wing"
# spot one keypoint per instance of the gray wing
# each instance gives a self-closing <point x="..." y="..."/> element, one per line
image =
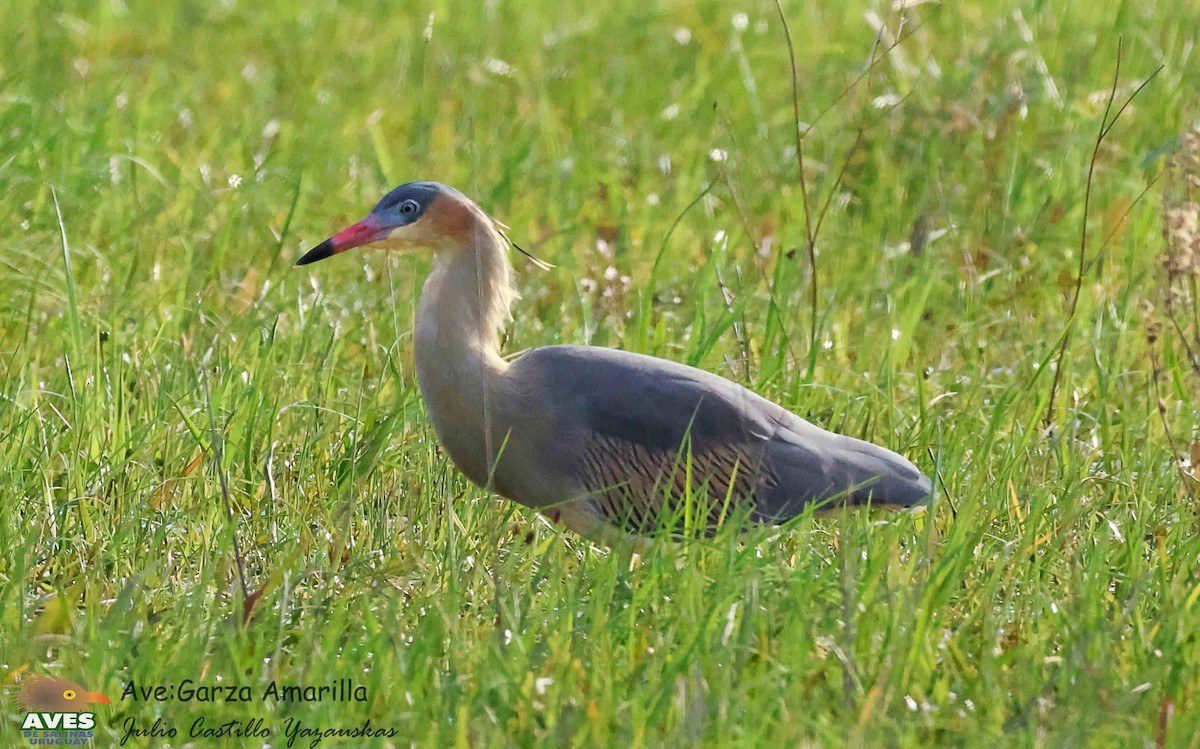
<point x="637" y="435"/>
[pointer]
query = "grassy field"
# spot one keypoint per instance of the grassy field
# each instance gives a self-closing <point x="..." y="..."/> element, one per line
<point x="172" y="386"/>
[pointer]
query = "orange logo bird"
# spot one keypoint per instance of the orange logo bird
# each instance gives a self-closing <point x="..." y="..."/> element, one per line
<point x="45" y="694"/>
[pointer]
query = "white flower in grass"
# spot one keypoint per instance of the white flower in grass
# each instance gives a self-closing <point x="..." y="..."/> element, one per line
<point x="884" y="101"/>
<point x="498" y="67"/>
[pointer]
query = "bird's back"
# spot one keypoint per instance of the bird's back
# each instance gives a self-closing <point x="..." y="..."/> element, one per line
<point x="627" y="436"/>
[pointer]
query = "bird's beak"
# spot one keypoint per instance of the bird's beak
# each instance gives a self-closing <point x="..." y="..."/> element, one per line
<point x="369" y="230"/>
<point x="94" y="697"/>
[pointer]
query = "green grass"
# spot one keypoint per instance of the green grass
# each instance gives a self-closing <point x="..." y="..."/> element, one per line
<point x="1049" y="597"/>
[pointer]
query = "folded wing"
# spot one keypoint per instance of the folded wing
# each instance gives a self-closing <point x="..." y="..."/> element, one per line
<point x="638" y="436"/>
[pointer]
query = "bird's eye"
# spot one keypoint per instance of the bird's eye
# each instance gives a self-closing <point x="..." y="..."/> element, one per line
<point x="409" y="207"/>
<point x="69" y="694"/>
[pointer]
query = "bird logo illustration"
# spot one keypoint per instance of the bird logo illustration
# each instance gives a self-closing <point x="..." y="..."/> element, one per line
<point x="46" y="694"/>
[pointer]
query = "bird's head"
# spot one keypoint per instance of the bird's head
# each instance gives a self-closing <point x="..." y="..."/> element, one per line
<point x="418" y="215"/>
<point x="47" y="694"/>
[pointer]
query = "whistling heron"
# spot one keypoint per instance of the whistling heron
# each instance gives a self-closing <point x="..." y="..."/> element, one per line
<point x="598" y="439"/>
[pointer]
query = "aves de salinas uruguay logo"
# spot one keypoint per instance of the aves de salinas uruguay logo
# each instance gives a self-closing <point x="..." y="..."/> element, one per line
<point x="55" y="711"/>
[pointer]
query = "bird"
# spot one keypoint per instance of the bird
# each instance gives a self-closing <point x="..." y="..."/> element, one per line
<point x="46" y="694"/>
<point x="608" y="443"/>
